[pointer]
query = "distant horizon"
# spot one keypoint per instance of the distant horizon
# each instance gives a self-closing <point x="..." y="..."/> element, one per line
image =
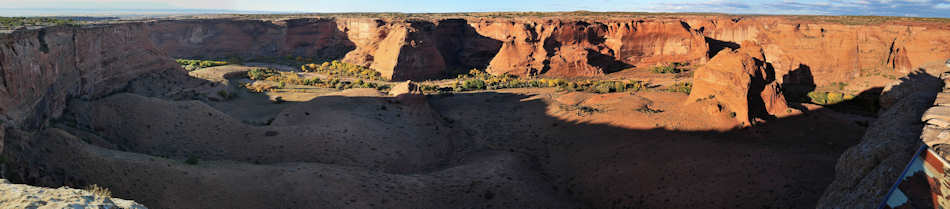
<point x="895" y="8"/>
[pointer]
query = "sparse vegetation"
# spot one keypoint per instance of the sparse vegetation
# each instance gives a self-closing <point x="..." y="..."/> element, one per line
<point x="839" y="85"/>
<point x="672" y="68"/>
<point x="480" y="80"/>
<point x="8" y="23"/>
<point x="198" y="64"/>
<point x="99" y="191"/>
<point x="285" y="79"/>
<point x="337" y="68"/>
<point x="258" y="87"/>
<point x="261" y="73"/>
<point x="581" y="109"/>
<point x="682" y="87"/>
<point x="828" y="98"/>
<point x="646" y="109"/>
<point x="192" y="160"/>
<point x="225" y="95"/>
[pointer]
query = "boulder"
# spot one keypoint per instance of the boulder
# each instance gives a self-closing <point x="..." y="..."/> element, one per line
<point x="407" y="87"/>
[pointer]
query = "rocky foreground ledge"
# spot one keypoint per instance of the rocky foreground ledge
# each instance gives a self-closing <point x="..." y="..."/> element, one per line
<point x="936" y="133"/>
<point x="26" y="196"/>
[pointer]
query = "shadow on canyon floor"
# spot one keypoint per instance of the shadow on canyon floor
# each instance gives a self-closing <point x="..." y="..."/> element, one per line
<point x="783" y="163"/>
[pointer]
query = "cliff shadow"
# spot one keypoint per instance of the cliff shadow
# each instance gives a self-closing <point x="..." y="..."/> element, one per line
<point x="462" y="47"/>
<point x="715" y="46"/>
<point x="869" y="102"/>
<point x="796" y="84"/>
<point x="607" y="166"/>
<point x="606" y="63"/>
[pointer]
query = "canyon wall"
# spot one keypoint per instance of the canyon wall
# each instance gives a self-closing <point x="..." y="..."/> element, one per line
<point x="40" y="69"/>
<point x="833" y="52"/>
<point x="403" y="49"/>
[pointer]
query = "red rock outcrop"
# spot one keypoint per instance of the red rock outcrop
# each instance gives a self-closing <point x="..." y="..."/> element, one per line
<point x="567" y="48"/>
<point x="742" y="82"/>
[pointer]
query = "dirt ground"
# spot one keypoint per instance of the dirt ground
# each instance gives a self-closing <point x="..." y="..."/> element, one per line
<point x="510" y="148"/>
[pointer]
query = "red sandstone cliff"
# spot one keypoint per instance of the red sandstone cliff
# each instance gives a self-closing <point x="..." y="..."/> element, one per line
<point x="41" y="67"/>
<point x="560" y="47"/>
<point x="834" y="52"/>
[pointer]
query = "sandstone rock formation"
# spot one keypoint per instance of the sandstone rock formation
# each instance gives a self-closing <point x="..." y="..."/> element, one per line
<point x="417" y="49"/>
<point x="834" y="52"/>
<point x="866" y="171"/>
<point x="407" y="87"/>
<point x="25" y="196"/>
<point x="742" y="82"/>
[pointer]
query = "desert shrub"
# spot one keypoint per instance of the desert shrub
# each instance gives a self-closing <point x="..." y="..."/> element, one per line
<point x="602" y="88"/>
<point x="581" y="110"/>
<point x="429" y="88"/>
<point x="479" y="80"/>
<point x="261" y="73"/>
<point x="668" y="68"/>
<point x="198" y="64"/>
<point x="225" y="94"/>
<point x="818" y="97"/>
<point x="646" y="109"/>
<point x="192" y="160"/>
<point x="98" y="191"/>
<point x="835" y="97"/>
<point x="828" y="98"/>
<point x="339" y="68"/>
<point x="683" y="87"/>
<point x="473" y="84"/>
<point x="258" y="87"/>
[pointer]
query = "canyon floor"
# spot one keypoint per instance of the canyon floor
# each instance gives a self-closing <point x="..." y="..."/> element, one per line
<point x="507" y="148"/>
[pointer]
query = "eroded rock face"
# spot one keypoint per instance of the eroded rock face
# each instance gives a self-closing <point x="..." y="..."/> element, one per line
<point x="833" y="52"/>
<point x="417" y="49"/>
<point x="741" y="82"/>
<point x="41" y="68"/>
<point x="586" y="48"/>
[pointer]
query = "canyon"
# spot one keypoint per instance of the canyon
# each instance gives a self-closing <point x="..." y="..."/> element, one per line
<point x="107" y="104"/>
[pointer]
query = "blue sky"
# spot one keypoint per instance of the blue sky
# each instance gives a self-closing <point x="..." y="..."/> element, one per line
<point x="923" y="8"/>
